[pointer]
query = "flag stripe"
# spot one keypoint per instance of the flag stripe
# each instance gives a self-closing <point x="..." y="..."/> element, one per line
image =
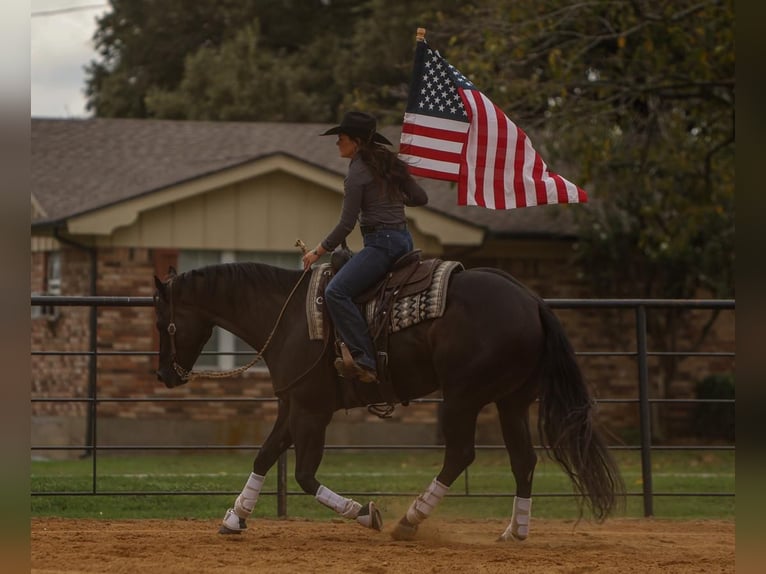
<point x="498" y="169"/>
<point x="520" y="170"/>
<point x="424" y="171"/>
<point x="537" y="176"/>
<point x="435" y="165"/>
<point x="440" y="124"/>
<point x="426" y="142"/>
<point x="430" y="154"/>
<point x="481" y="128"/>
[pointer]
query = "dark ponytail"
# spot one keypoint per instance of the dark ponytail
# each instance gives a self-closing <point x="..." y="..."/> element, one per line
<point x="386" y="168"/>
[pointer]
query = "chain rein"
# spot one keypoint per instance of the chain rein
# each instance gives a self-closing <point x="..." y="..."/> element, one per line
<point x="187" y="375"/>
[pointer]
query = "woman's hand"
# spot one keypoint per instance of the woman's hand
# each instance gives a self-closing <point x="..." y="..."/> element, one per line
<point x="311" y="257"/>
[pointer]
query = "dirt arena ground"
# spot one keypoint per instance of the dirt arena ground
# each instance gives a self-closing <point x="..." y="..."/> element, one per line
<point x="452" y="546"/>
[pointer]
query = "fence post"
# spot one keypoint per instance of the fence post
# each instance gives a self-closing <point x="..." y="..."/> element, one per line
<point x="645" y="411"/>
<point x="282" y="485"/>
<point x="92" y="377"/>
<point x="282" y="482"/>
<point x="91" y="437"/>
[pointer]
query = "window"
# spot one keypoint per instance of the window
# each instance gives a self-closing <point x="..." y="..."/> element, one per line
<point x="51" y="286"/>
<point x="53" y="273"/>
<point x="222" y="342"/>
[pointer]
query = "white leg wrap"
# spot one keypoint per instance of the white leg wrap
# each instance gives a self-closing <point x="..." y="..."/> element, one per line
<point x="519" y="526"/>
<point x="422" y="507"/>
<point x="246" y="500"/>
<point x="346" y="507"/>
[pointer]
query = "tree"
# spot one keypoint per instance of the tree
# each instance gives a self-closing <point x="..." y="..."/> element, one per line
<point x="374" y="74"/>
<point x="144" y="44"/>
<point x="139" y="42"/>
<point x="241" y="81"/>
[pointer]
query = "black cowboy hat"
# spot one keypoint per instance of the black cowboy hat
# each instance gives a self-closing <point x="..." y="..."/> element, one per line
<point x="361" y="125"/>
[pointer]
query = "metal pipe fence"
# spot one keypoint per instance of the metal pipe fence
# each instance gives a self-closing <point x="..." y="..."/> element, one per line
<point x="644" y="401"/>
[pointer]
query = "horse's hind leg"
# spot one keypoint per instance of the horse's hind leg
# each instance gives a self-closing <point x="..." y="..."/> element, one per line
<point x="278" y="441"/>
<point x="459" y="424"/>
<point x="514" y="421"/>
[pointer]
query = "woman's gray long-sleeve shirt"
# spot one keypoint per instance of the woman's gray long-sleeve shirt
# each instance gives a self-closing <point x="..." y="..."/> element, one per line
<point x="366" y="201"/>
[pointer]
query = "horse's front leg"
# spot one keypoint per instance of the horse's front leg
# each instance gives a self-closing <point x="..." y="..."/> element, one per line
<point x="309" y="432"/>
<point x="278" y="441"/>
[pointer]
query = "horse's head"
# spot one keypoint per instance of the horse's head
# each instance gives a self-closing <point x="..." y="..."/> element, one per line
<point x="183" y="332"/>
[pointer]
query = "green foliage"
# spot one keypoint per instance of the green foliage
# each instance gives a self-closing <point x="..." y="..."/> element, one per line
<point x="240" y="80"/>
<point x="263" y="60"/>
<point x="142" y="44"/>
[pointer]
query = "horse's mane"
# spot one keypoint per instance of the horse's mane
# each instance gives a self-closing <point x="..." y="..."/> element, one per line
<point x="214" y="280"/>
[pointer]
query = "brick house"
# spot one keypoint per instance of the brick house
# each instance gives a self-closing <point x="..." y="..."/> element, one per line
<point x="116" y="201"/>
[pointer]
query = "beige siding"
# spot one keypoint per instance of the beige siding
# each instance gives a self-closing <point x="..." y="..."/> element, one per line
<point x="265" y="213"/>
<point x="265" y="205"/>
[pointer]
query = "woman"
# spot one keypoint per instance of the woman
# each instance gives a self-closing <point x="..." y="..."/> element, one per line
<point x="376" y="189"/>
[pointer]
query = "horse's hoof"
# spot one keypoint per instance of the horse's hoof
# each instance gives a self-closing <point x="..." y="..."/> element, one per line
<point x="506" y="536"/>
<point x="232" y="524"/>
<point x="404" y="530"/>
<point x="370" y="517"/>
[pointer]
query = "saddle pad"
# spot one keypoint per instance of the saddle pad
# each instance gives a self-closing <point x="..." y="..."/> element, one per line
<point x="408" y="311"/>
<point x="427" y="304"/>
<point x="320" y="275"/>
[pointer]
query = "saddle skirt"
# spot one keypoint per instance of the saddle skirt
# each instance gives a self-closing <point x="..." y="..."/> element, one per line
<point x="421" y="294"/>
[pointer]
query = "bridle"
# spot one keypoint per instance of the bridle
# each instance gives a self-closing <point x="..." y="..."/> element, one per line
<point x="187" y="375"/>
<point x="184" y="375"/>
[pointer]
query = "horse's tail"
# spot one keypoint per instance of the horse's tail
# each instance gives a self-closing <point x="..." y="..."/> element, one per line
<point x="566" y="425"/>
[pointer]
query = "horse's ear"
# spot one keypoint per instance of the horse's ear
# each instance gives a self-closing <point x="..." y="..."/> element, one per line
<point x="172" y="271"/>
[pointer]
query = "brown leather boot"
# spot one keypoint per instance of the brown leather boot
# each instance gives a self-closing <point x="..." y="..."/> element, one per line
<point x="364" y="375"/>
<point x="355" y="372"/>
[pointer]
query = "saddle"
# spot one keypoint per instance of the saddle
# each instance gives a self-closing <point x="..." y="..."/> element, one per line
<point x="413" y="290"/>
<point x="408" y="275"/>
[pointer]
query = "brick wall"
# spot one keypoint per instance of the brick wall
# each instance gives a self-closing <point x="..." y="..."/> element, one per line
<point x="67" y="331"/>
<point x="129" y="272"/>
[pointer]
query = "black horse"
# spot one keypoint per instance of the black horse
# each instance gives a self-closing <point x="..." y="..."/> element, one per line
<point x="496" y="342"/>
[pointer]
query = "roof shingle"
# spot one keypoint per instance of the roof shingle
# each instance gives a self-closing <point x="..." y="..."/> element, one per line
<point x="83" y="165"/>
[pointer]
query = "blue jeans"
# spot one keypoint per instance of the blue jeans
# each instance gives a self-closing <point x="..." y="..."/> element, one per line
<point x="362" y="271"/>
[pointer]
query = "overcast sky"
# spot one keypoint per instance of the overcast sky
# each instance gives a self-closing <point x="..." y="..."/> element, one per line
<point x="61" y="46"/>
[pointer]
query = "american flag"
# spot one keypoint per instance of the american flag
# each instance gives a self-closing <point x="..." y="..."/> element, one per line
<point x="452" y="131"/>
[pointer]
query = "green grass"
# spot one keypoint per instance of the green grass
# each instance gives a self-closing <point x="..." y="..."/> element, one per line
<point x="357" y="473"/>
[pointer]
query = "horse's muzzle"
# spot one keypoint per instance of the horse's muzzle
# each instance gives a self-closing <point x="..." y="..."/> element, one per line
<point x="166" y="376"/>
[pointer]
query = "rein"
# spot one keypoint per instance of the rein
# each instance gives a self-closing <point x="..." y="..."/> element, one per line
<point x="187" y="375"/>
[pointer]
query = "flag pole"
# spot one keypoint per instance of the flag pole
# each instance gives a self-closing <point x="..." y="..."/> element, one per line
<point x="421" y="35"/>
